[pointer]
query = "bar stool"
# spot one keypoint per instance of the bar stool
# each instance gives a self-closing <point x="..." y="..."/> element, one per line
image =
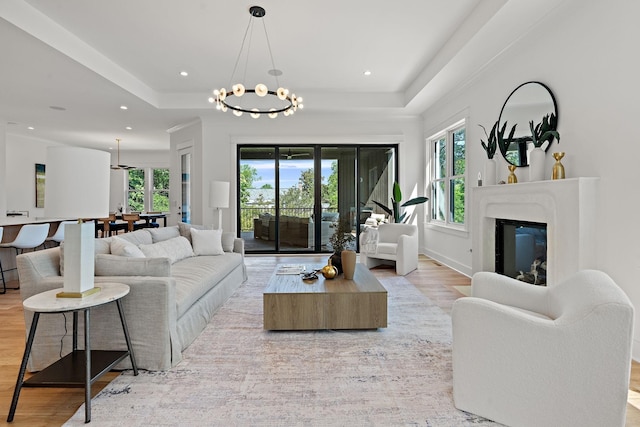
<point x="30" y="236"/>
<point x="58" y="236"/>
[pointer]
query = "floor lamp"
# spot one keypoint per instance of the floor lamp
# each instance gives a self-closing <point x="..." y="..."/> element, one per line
<point x="219" y="198"/>
<point x="77" y="186"/>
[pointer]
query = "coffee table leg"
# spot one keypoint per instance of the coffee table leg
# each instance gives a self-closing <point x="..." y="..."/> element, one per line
<point x="23" y="367"/>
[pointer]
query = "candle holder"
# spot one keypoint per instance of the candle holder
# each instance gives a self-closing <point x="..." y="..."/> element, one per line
<point x="558" y="167"/>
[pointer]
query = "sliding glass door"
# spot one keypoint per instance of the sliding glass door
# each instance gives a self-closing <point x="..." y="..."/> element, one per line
<point x="293" y="199"/>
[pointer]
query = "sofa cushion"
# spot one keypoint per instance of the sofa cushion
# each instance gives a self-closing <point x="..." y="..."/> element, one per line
<point x="196" y="276"/>
<point x="387" y="248"/>
<point x="138" y="237"/>
<point x="163" y="233"/>
<point x="206" y="242"/>
<point x="114" y="265"/>
<point x="175" y="249"/>
<point x="123" y="248"/>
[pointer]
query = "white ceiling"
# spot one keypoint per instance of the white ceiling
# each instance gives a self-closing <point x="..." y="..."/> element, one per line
<point x="92" y="56"/>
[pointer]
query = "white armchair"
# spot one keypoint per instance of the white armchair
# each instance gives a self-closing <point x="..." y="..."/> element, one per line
<point x="390" y="242"/>
<point x="526" y="355"/>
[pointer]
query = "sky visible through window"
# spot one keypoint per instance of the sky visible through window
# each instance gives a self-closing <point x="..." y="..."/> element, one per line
<point x="290" y="171"/>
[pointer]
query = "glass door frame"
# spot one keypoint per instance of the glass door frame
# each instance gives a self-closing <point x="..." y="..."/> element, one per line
<point x="317" y="206"/>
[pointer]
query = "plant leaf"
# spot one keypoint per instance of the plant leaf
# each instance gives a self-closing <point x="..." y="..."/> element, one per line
<point x="397" y="194"/>
<point x="415" y="201"/>
<point x="384" y="208"/>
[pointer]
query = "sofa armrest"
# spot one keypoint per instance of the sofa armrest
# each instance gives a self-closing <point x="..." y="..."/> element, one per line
<point x="238" y="246"/>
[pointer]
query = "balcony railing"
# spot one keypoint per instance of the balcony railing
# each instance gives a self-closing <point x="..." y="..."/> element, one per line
<point x="248" y="214"/>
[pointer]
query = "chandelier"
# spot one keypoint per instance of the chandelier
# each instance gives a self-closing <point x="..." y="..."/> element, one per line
<point x="266" y="101"/>
<point x="119" y="166"/>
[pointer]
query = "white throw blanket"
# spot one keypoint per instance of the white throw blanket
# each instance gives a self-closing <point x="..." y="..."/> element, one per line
<point x="369" y="240"/>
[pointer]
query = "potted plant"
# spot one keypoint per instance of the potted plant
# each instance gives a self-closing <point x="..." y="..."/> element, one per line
<point x="541" y="133"/>
<point x="339" y="240"/>
<point x="490" y="147"/>
<point x="394" y="211"/>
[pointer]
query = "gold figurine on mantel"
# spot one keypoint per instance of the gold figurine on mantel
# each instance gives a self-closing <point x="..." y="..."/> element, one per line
<point x="558" y="168"/>
<point x="512" y="179"/>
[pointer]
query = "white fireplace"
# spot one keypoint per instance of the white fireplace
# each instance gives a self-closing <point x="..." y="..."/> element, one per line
<point x="567" y="206"/>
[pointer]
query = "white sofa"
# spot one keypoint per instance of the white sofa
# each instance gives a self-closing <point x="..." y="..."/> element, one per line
<point x="396" y="243"/>
<point x="526" y="355"/>
<point x="173" y="294"/>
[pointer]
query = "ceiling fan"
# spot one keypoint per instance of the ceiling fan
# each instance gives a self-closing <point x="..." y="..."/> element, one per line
<point x="290" y="156"/>
<point x="119" y="166"/>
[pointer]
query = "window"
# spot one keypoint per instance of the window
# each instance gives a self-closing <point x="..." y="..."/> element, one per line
<point x="135" y="196"/>
<point x="148" y="190"/>
<point x="160" y="192"/>
<point x="447" y="159"/>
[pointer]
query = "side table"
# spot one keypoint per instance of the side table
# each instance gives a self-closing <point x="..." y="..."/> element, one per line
<point x="80" y="368"/>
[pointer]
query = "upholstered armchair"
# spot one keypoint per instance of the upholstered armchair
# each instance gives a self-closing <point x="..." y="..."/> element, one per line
<point x="390" y="243"/>
<point x="526" y="355"/>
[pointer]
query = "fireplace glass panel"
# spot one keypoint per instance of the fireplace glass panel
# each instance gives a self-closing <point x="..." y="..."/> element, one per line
<point x="521" y="250"/>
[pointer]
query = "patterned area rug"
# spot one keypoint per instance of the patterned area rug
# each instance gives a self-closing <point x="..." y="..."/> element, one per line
<point x="237" y="374"/>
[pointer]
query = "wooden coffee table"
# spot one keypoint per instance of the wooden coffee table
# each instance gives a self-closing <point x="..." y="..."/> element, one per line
<point x="293" y="304"/>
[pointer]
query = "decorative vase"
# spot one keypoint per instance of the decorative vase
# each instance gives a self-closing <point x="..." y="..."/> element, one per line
<point x="512" y="179"/>
<point x="536" y="164"/>
<point x="348" y="263"/>
<point x="558" y="168"/>
<point x="329" y="271"/>
<point x="490" y="172"/>
<point x="336" y="261"/>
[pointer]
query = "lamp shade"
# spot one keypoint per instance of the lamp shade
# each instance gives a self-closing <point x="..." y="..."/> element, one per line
<point x="77" y="186"/>
<point x="77" y="183"/>
<point x="219" y="194"/>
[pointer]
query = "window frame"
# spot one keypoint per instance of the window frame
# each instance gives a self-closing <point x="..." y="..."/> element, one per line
<point x="447" y="178"/>
<point x="148" y="189"/>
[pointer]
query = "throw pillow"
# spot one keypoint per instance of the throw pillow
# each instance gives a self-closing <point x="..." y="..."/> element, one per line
<point x="175" y="249"/>
<point x="123" y="248"/>
<point x="113" y="265"/>
<point x="185" y="229"/>
<point x="207" y="242"/>
<point x="163" y="233"/>
<point x="228" y="238"/>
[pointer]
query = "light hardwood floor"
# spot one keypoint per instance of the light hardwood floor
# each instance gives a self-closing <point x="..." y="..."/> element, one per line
<point x="51" y="407"/>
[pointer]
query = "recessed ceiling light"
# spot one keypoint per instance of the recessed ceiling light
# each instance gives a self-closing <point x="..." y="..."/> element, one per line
<point x="367" y="73"/>
<point x="30" y="127"/>
<point x="128" y="128"/>
<point x="56" y="107"/>
<point x="124" y="107"/>
<point x="184" y="73"/>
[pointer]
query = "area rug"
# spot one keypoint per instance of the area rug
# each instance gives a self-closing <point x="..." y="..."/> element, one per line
<point x="237" y="374"/>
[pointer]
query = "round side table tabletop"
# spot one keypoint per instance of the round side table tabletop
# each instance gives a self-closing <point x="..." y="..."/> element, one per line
<point x="47" y="302"/>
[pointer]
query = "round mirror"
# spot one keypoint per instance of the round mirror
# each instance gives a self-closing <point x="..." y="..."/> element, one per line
<point x="529" y="101"/>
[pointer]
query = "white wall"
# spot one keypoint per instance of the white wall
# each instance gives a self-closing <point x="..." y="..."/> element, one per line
<point x="20" y="178"/>
<point x="585" y="54"/>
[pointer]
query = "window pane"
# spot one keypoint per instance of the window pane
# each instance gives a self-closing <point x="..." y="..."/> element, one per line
<point x="457" y="201"/>
<point x="458" y="151"/>
<point x="135" y="200"/>
<point x="160" y="193"/>
<point x="441" y="158"/>
<point x="438" y="201"/>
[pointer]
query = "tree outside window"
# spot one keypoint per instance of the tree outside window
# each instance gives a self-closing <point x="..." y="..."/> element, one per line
<point x="135" y="198"/>
<point x="148" y="196"/>
<point x="448" y="162"/>
<point x="160" y="193"/>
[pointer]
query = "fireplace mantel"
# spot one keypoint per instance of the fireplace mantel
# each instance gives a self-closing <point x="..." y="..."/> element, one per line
<point x="567" y="206"/>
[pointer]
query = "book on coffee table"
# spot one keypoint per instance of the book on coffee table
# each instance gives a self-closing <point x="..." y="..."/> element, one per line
<point x="290" y="269"/>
